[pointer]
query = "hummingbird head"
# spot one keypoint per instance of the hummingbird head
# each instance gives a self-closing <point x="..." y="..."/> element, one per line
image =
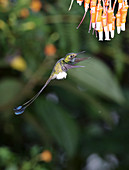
<point x="71" y="57"/>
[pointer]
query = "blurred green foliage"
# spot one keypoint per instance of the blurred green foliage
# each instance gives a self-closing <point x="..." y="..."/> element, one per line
<point x="82" y="117"/>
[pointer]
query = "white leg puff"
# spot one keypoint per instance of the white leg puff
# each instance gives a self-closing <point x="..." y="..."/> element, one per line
<point x="61" y="75"/>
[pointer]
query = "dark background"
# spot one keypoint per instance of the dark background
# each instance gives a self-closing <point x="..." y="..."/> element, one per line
<point x="78" y="123"/>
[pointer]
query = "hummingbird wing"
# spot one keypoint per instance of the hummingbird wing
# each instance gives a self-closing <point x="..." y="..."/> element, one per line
<point x="70" y="66"/>
<point x="77" y="60"/>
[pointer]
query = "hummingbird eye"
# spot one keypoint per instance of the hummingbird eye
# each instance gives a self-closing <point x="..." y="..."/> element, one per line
<point x="71" y="56"/>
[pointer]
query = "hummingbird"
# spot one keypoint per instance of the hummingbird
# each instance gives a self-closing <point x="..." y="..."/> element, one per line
<point x="59" y="72"/>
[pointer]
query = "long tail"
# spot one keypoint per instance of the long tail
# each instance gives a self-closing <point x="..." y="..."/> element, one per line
<point x="20" y="109"/>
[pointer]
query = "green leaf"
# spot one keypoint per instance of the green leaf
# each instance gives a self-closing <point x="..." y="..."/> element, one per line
<point x="97" y="77"/>
<point x="63" y="128"/>
<point x="8" y="90"/>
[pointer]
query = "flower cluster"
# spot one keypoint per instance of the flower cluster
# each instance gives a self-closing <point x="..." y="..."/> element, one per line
<point x="103" y="18"/>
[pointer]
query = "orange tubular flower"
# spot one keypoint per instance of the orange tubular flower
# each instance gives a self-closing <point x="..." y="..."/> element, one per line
<point x="104" y="20"/>
<point x="118" y="22"/>
<point x="104" y="24"/>
<point x="93" y="17"/>
<point x="100" y="32"/>
<point x="93" y="12"/>
<point x="98" y="16"/>
<point x="102" y="17"/>
<point x="123" y="12"/>
<point x="113" y="27"/>
<point x="109" y="18"/>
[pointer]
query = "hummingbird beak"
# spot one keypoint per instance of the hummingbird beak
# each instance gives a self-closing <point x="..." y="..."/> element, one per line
<point x="77" y="60"/>
<point x="80" y="53"/>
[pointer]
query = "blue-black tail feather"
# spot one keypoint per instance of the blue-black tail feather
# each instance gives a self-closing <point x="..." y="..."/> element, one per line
<point x="20" y="109"/>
